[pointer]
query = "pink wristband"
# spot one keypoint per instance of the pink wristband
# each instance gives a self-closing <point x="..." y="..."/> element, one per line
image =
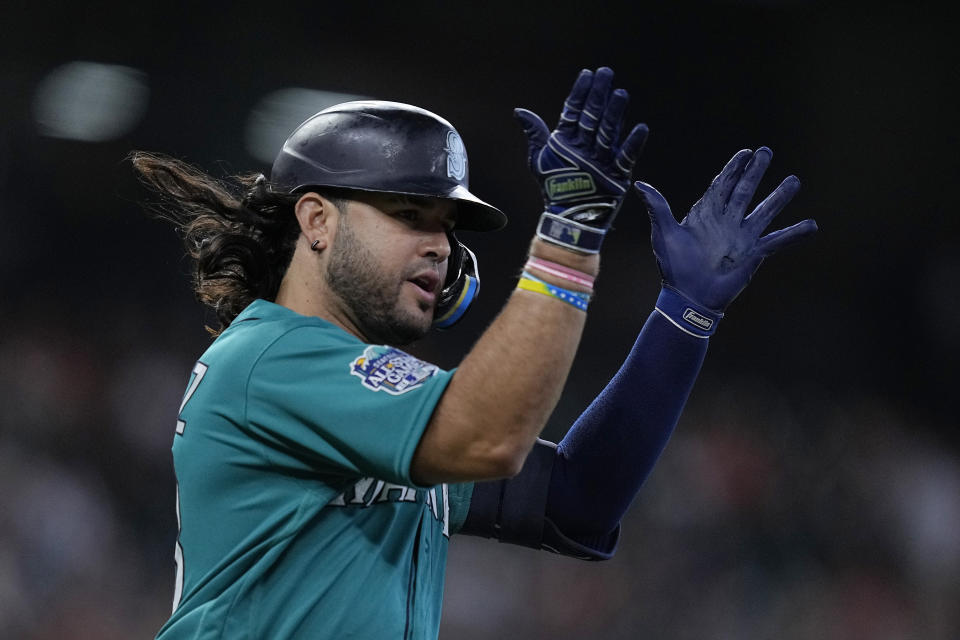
<point x="560" y="271"/>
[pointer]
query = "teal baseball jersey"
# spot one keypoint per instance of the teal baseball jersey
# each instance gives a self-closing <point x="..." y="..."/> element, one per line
<point x="298" y="517"/>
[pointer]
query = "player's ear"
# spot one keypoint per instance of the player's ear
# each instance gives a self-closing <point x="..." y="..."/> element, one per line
<point x="313" y="215"/>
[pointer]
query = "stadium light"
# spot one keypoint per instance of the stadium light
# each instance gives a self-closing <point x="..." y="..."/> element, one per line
<point x="279" y="113"/>
<point x="90" y="101"/>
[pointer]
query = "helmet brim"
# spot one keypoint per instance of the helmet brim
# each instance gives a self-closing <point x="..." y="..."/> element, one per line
<point x="473" y="214"/>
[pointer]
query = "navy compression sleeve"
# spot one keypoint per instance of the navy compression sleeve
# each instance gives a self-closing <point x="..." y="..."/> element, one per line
<point x="612" y="447"/>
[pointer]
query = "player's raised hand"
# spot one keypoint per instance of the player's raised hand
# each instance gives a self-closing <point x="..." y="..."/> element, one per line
<point x="712" y="254"/>
<point x="582" y="166"/>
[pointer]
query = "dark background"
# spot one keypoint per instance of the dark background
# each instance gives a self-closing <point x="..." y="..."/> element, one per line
<point x="813" y="486"/>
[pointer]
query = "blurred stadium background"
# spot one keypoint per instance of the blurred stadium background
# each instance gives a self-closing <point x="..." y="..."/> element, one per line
<point x="812" y="489"/>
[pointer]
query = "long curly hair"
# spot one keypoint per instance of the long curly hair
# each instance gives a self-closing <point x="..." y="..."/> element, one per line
<point x="241" y="234"/>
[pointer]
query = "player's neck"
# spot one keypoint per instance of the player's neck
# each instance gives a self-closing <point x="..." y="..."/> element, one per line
<point x="305" y="291"/>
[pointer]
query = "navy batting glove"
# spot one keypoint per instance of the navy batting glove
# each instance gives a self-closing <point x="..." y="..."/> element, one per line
<point x="581" y="166"/>
<point x="709" y="258"/>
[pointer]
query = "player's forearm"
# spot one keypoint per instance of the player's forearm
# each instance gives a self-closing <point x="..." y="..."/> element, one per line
<point x="612" y="447"/>
<point x="502" y="394"/>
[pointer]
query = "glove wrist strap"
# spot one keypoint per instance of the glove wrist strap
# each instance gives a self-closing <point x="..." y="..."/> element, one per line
<point x="687" y="316"/>
<point x="569" y="233"/>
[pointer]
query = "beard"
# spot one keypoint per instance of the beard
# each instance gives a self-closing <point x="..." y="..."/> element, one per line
<point x="371" y="296"/>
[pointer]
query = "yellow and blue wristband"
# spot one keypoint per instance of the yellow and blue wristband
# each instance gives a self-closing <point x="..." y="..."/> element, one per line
<point x="578" y="299"/>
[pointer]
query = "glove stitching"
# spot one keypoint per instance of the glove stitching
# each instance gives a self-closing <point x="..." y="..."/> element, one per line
<point x="599" y="172"/>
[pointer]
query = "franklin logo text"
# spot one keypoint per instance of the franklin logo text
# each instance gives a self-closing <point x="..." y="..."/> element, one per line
<point x="570" y="185"/>
<point x="697" y="319"/>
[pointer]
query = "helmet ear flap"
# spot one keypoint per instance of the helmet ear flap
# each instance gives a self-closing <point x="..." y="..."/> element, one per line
<point x="461" y="286"/>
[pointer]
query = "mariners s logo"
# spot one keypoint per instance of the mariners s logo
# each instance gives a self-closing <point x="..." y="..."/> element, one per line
<point x="383" y="368"/>
<point x="456" y="156"/>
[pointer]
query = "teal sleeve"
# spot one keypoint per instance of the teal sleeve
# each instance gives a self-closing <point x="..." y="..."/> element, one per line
<point x="460" y="495"/>
<point x="341" y="406"/>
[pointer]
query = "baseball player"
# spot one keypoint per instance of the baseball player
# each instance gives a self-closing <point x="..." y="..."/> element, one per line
<point x="321" y="470"/>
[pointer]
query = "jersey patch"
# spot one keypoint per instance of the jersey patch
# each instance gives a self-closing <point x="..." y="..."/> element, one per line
<point x="383" y="368"/>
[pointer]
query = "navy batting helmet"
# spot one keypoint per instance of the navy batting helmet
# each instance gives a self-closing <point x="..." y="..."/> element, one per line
<point x="374" y="145"/>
